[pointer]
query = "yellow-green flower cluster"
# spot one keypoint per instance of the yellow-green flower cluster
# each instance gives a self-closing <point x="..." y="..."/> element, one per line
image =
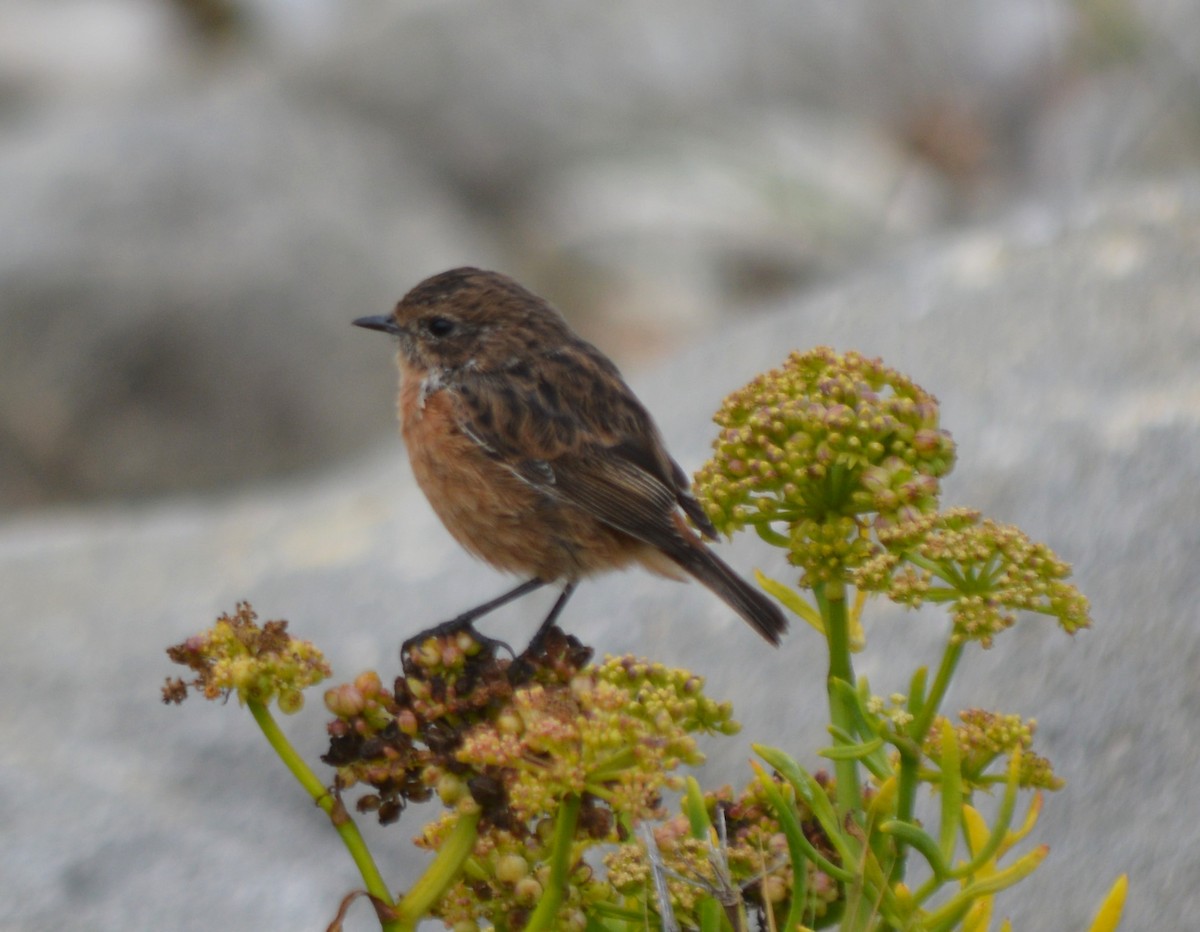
<point x="894" y="709"/>
<point x="986" y="571"/>
<point x="616" y="731"/>
<point x="691" y="874"/>
<point x="371" y="742"/>
<point x="259" y="664"/>
<point x="506" y="875"/>
<point x="828" y="445"/>
<point x="512" y="742"/>
<point x="402" y="741"/>
<point x="515" y="740"/>
<point x="658" y="694"/>
<point x="985" y="736"/>
<point x="753" y="866"/>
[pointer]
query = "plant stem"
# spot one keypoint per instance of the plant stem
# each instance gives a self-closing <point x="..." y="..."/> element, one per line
<point x="933" y="701"/>
<point x="546" y="913"/>
<point x="452" y="855"/>
<point x="906" y="790"/>
<point x="906" y="795"/>
<point x="831" y="600"/>
<point x="330" y="804"/>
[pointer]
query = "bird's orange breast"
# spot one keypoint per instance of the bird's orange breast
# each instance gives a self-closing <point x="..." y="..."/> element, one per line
<point x="496" y="515"/>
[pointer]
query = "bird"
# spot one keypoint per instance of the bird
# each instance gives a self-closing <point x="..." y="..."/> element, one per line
<point x="536" y="455"/>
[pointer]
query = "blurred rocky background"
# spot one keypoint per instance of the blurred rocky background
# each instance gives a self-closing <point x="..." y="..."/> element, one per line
<point x="199" y="194"/>
<point x="1002" y="199"/>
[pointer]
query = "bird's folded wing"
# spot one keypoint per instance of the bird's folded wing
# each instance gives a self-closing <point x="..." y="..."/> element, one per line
<point x="621" y="494"/>
<point x="605" y="458"/>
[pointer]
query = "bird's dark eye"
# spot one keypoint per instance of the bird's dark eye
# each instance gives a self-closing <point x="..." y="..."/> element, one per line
<point x="439" y="326"/>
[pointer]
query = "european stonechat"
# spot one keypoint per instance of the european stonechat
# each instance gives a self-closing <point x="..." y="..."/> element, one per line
<point x="535" y="454"/>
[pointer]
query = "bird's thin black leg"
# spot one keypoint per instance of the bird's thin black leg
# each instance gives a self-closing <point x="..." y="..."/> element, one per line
<point x="552" y="617"/>
<point x="459" y="622"/>
<point x="480" y="610"/>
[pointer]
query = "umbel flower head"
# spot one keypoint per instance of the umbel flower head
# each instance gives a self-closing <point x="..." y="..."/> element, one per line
<point x="985" y="570"/>
<point x="616" y="731"/>
<point x="401" y="740"/>
<point x="518" y="737"/>
<point x="258" y="663"/>
<point x="816" y="453"/>
<point x="513" y="741"/>
<point x="984" y="736"/>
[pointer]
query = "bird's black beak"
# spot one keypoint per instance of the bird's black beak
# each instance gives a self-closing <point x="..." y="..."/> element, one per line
<point x="378" y="322"/>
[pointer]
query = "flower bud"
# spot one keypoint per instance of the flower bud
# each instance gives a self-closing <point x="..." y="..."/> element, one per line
<point x="527" y="891"/>
<point x="290" y="701"/>
<point x="429" y="653"/>
<point x="368" y="683"/>
<point x="774" y="889"/>
<point x="511" y="868"/>
<point x="344" y="701"/>
<point x="450" y="788"/>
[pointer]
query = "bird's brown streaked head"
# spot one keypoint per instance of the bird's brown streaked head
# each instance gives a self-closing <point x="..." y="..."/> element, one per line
<point x="469" y="316"/>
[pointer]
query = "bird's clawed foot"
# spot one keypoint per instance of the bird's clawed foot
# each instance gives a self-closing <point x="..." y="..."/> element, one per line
<point x="549" y="639"/>
<point x="550" y="648"/>
<point x="464" y="623"/>
<point x="445" y="631"/>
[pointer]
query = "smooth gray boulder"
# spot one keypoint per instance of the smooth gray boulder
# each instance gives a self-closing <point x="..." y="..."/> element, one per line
<point x="179" y="280"/>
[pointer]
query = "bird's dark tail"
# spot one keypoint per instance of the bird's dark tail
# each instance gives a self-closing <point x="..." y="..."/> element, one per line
<point x="752" y="604"/>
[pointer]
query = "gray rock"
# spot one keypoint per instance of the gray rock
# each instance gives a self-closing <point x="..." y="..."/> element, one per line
<point x="83" y="50"/>
<point x="538" y="82"/>
<point x="683" y="226"/>
<point x="1111" y="126"/>
<point x="1064" y="354"/>
<point x="647" y="168"/>
<point x="176" y="306"/>
<point x="775" y="140"/>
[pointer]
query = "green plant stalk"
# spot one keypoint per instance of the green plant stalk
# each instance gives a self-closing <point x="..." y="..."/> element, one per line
<point x="910" y="757"/>
<point x="546" y="913"/>
<point x="908" y="773"/>
<point x="848" y="849"/>
<point x="999" y="831"/>
<point x="453" y="854"/>
<point x="850" y="748"/>
<point x="697" y="812"/>
<point x="625" y="915"/>
<point x="868" y="751"/>
<point x="330" y="805"/>
<point x="610" y="768"/>
<point x="933" y="701"/>
<point x="945" y="916"/>
<point x="801" y="848"/>
<point x="708" y="910"/>
<point x="924" y="843"/>
<point x="952" y="792"/>
<point x="831" y="600"/>
<point x="710" y="914"/>
<point x="797" y="844"/>
<point x="864" y="876"/>
<point x="997" y="837"/>
<point x="906" y="793"/>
